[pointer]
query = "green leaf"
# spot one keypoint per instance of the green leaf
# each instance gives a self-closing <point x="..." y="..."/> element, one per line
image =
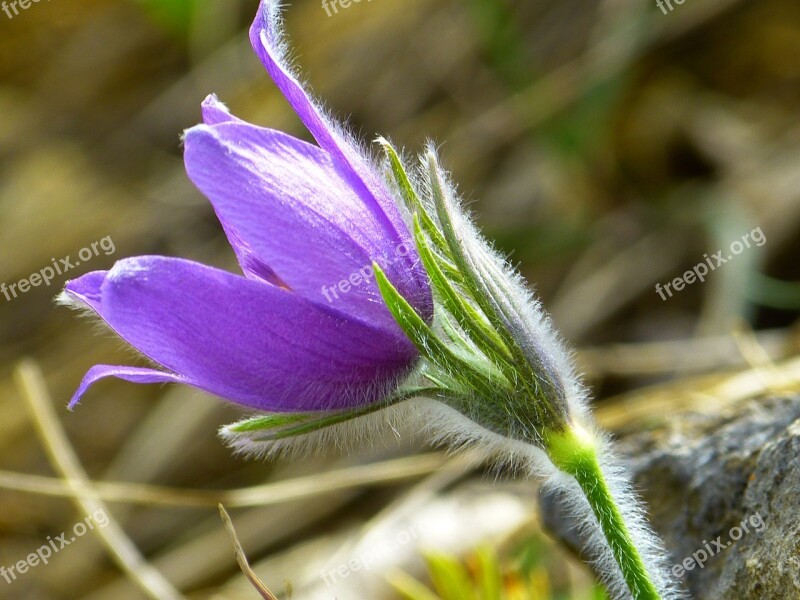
<point x="482" y="287"/>
<point x="269" y="421"/>
<point x="490" y="581"/>
<point x="468" y="317"/>
<point x="471" y="279"/>
<point x="410" y="588"/>
<point x="772" y="292"/>
<point x="413" y="203"/>
<point x="445" y="385"/>
<point x="174" y="15"/>
<point x="472" y="282"/>
<point x="276" y="426"/>
<point x="426" y="341"/>
<point x="281" y="426"/>
<point x="455" y="334"/>
<point x="501" y="36"/>
<point x="450" y="578"/>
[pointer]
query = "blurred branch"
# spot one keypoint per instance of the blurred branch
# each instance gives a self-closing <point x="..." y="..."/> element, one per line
<point x="708" y="394"/>
<point x="384" y="472"/>
<point x="63" y="458"/>
<point x="614" y="283"/>
<point x="682" y="356"/>
<point x="241" y="557"/>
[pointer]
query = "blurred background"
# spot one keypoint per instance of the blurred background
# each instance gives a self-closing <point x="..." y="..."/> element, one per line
<point x="606" y="145"/>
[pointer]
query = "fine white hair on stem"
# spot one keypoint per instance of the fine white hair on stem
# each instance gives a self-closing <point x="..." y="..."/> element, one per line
<point x="449" y="427"/>
<point x="532" y="327"/>
<point x="431" y="421"/>
<point x="527" y="320"/>
<point x="651" y="549"/>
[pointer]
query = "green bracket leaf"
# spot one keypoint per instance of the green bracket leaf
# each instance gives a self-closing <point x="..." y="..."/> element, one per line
<point x="468" y="317"/>
<point x="412" y="200"/>
<point x="427" y="342"/>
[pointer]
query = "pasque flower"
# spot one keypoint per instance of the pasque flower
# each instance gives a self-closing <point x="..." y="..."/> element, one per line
<point x="444" y="337"/>
<point x="299" y="217"/>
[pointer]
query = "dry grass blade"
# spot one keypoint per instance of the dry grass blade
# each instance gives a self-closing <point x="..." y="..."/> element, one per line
<point x="685" y="356"/>
<point x="708" y="393"/>
<point x="379" y="473"/>
<point x="63" y="458"/>
<point x="241" y="557"/>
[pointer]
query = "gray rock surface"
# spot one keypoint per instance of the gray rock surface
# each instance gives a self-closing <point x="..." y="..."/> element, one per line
<point x="710" y="479"/>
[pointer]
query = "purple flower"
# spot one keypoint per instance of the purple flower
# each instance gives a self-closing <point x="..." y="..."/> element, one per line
<point x="301" y="218"/>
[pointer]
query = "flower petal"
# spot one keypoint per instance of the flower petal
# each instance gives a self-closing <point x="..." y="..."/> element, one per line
<point x="242" y="339"/>
<point x="132" y="374"/>
<point x="290" y="217"/>
<point x="265" y="37"/>
<point x="87" y="288"/>
<point x="215" y="112"/>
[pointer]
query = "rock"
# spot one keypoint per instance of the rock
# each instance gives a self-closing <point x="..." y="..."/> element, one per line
<point x="722" y="490"/>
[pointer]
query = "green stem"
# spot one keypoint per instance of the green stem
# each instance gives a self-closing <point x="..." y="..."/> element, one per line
<point x="574" y="452"/>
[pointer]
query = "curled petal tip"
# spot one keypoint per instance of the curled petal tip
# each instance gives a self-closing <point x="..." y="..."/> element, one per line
<point x="198" y="132"/>
<point x="85" y="289"/>
<point x="215" y="111"/>
<point x="132" y="374"/>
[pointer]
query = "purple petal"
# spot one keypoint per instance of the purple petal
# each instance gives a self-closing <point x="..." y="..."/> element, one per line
<point x="348" y="160"/>
<point x="132" y="374"/>
<point x="215" y="112"/>
<point x="243" y="339"/>
<point x="290" y="217"/>
<point x="87" y="288"/>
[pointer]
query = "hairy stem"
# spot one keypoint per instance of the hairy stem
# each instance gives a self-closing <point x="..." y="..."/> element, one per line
<point x="574" y="452"/>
